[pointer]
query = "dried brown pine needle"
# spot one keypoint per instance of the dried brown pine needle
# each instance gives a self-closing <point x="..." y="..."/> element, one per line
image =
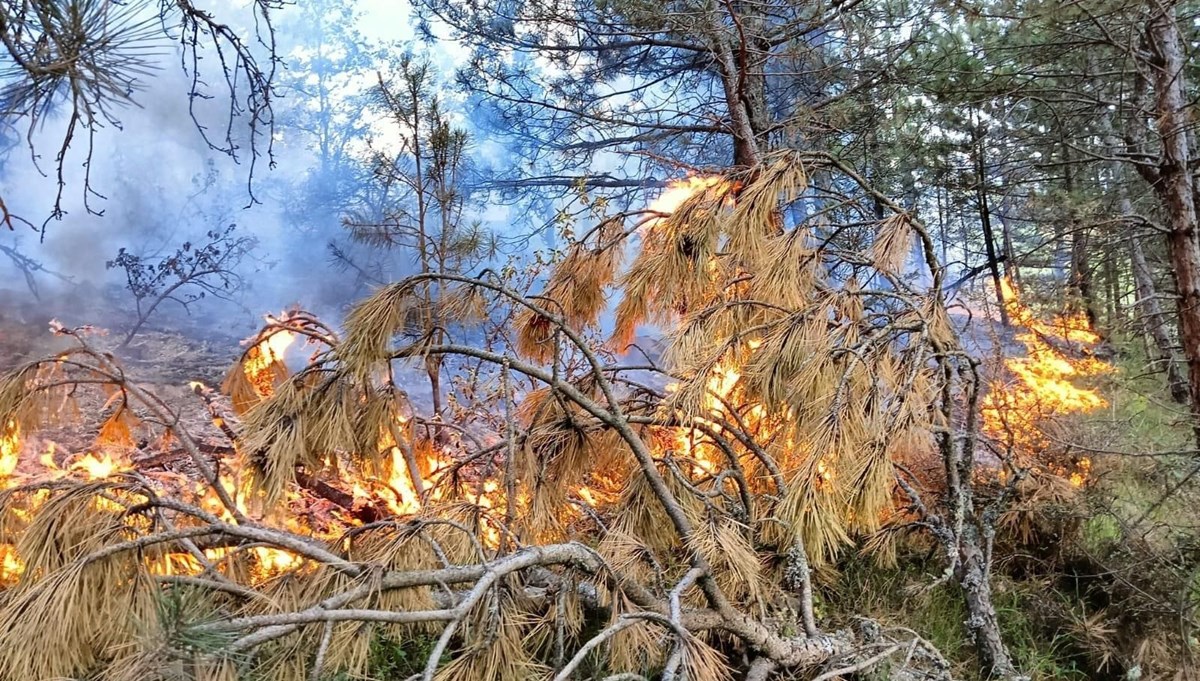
<point x="496" y="651"/>
<point x="373" y="323"/>
<point x="702" y="662"/>
<point x="65" y="615"/>
<point x="638" y="648"/>
<point x="726" y="545"/>
<point x="117" y="429"/>
<point x="893" y="243"/>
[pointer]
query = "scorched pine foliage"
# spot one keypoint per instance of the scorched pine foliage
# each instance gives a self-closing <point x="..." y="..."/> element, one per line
<point x="595" y="515"/>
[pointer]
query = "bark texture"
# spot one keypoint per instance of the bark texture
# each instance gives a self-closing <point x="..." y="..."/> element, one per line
<point x="1151" y="313"/>
<point x="982" y="622"/>
<point x="1175" y="185"/>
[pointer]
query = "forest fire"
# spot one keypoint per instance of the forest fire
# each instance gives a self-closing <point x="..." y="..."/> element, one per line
<point x="650" y="349"/>
<point x="96" y="467"/>
<point x="722" y="397"/>
<point x="37" y="480"/>
<point x="725" y="398"/>
<point x="413" y="479"/>
<point x="10" y="448"/>
<point x="299" y="482"/>
<point x="677" y="192"/>
<point x="1016" y="412"/>
<point x="31" y="477"/>
<point x="264" y="362"/>
<point x="724" y="402"/>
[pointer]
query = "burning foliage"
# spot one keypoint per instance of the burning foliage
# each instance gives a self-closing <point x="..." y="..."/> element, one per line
<point x="1019" y="410"/>
<point x="10" y="448"/>
<point x="674" y="522"/>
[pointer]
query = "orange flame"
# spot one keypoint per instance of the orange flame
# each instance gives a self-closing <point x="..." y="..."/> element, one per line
<point x="1080" y="475"/>
<point x="585" y="493"/>
<point x="272" y="561"/>
<point x="96" y="467"/>
<point x="1043" y="385"/>
<point x="723" y="381"/>
<point x="10" y="448"/>
<point x="723" y="392"/>
<point x="403" y="499"/>
<point x="11" y="566"/>
<point x="263" y="361"/>
<point x="679" y="191"/>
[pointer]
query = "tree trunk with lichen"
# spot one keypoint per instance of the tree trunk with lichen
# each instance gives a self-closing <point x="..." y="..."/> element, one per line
<point x="1079" y="275"/>
<point x="1151" y="314"/>
<point x="1147" y="308"/>
<point x="964" y="532"/>
<point x="974" y="577"/>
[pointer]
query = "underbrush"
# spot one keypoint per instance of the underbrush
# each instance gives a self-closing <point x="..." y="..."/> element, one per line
<point x="1100" y="582"/>
<point x="398" y="659"/>
<point x="909" y="596"/>
<point x="1097" y="583"/>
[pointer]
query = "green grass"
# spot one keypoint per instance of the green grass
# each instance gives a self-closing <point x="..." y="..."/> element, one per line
<point x="900" y="597"/>
<point x="392" y="660"/>
<point x="1041" y="654"/>
<point x="1140" y="409"/>
<point x="1099" y="532"/>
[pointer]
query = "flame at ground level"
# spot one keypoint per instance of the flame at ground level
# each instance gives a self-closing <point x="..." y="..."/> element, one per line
<point x="1016" y="412"/>
<point x="97" y="467"/>
<point x="10" y="448"/>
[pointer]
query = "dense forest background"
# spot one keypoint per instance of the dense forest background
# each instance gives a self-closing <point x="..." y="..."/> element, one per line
<point x="614" y="339"/>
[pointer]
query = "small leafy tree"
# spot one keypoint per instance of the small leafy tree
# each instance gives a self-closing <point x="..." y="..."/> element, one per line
<point x="190" y="274"/>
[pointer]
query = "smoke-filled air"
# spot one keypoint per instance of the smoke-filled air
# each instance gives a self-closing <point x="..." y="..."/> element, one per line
<point x="615" y="340"/>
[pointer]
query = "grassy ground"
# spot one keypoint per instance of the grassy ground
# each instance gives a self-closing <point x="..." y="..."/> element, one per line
<point x="903" y="597"/>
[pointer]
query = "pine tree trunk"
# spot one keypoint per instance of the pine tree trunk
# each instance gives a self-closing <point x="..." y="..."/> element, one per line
<point x="743" y="82"/>
<point x="1079" y="277"/>
<point x="985" y="221"/>
<point x="1112" y="297"/>
<point x="1010" y="254"/>
<point x="1080" y="282"/>
<point x="1153" y="320"/>
<point x="1147" y="308"/>
<point x="1175" y="185"/>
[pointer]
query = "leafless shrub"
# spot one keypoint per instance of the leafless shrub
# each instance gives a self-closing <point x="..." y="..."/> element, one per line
<point x="193" y="272"/>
